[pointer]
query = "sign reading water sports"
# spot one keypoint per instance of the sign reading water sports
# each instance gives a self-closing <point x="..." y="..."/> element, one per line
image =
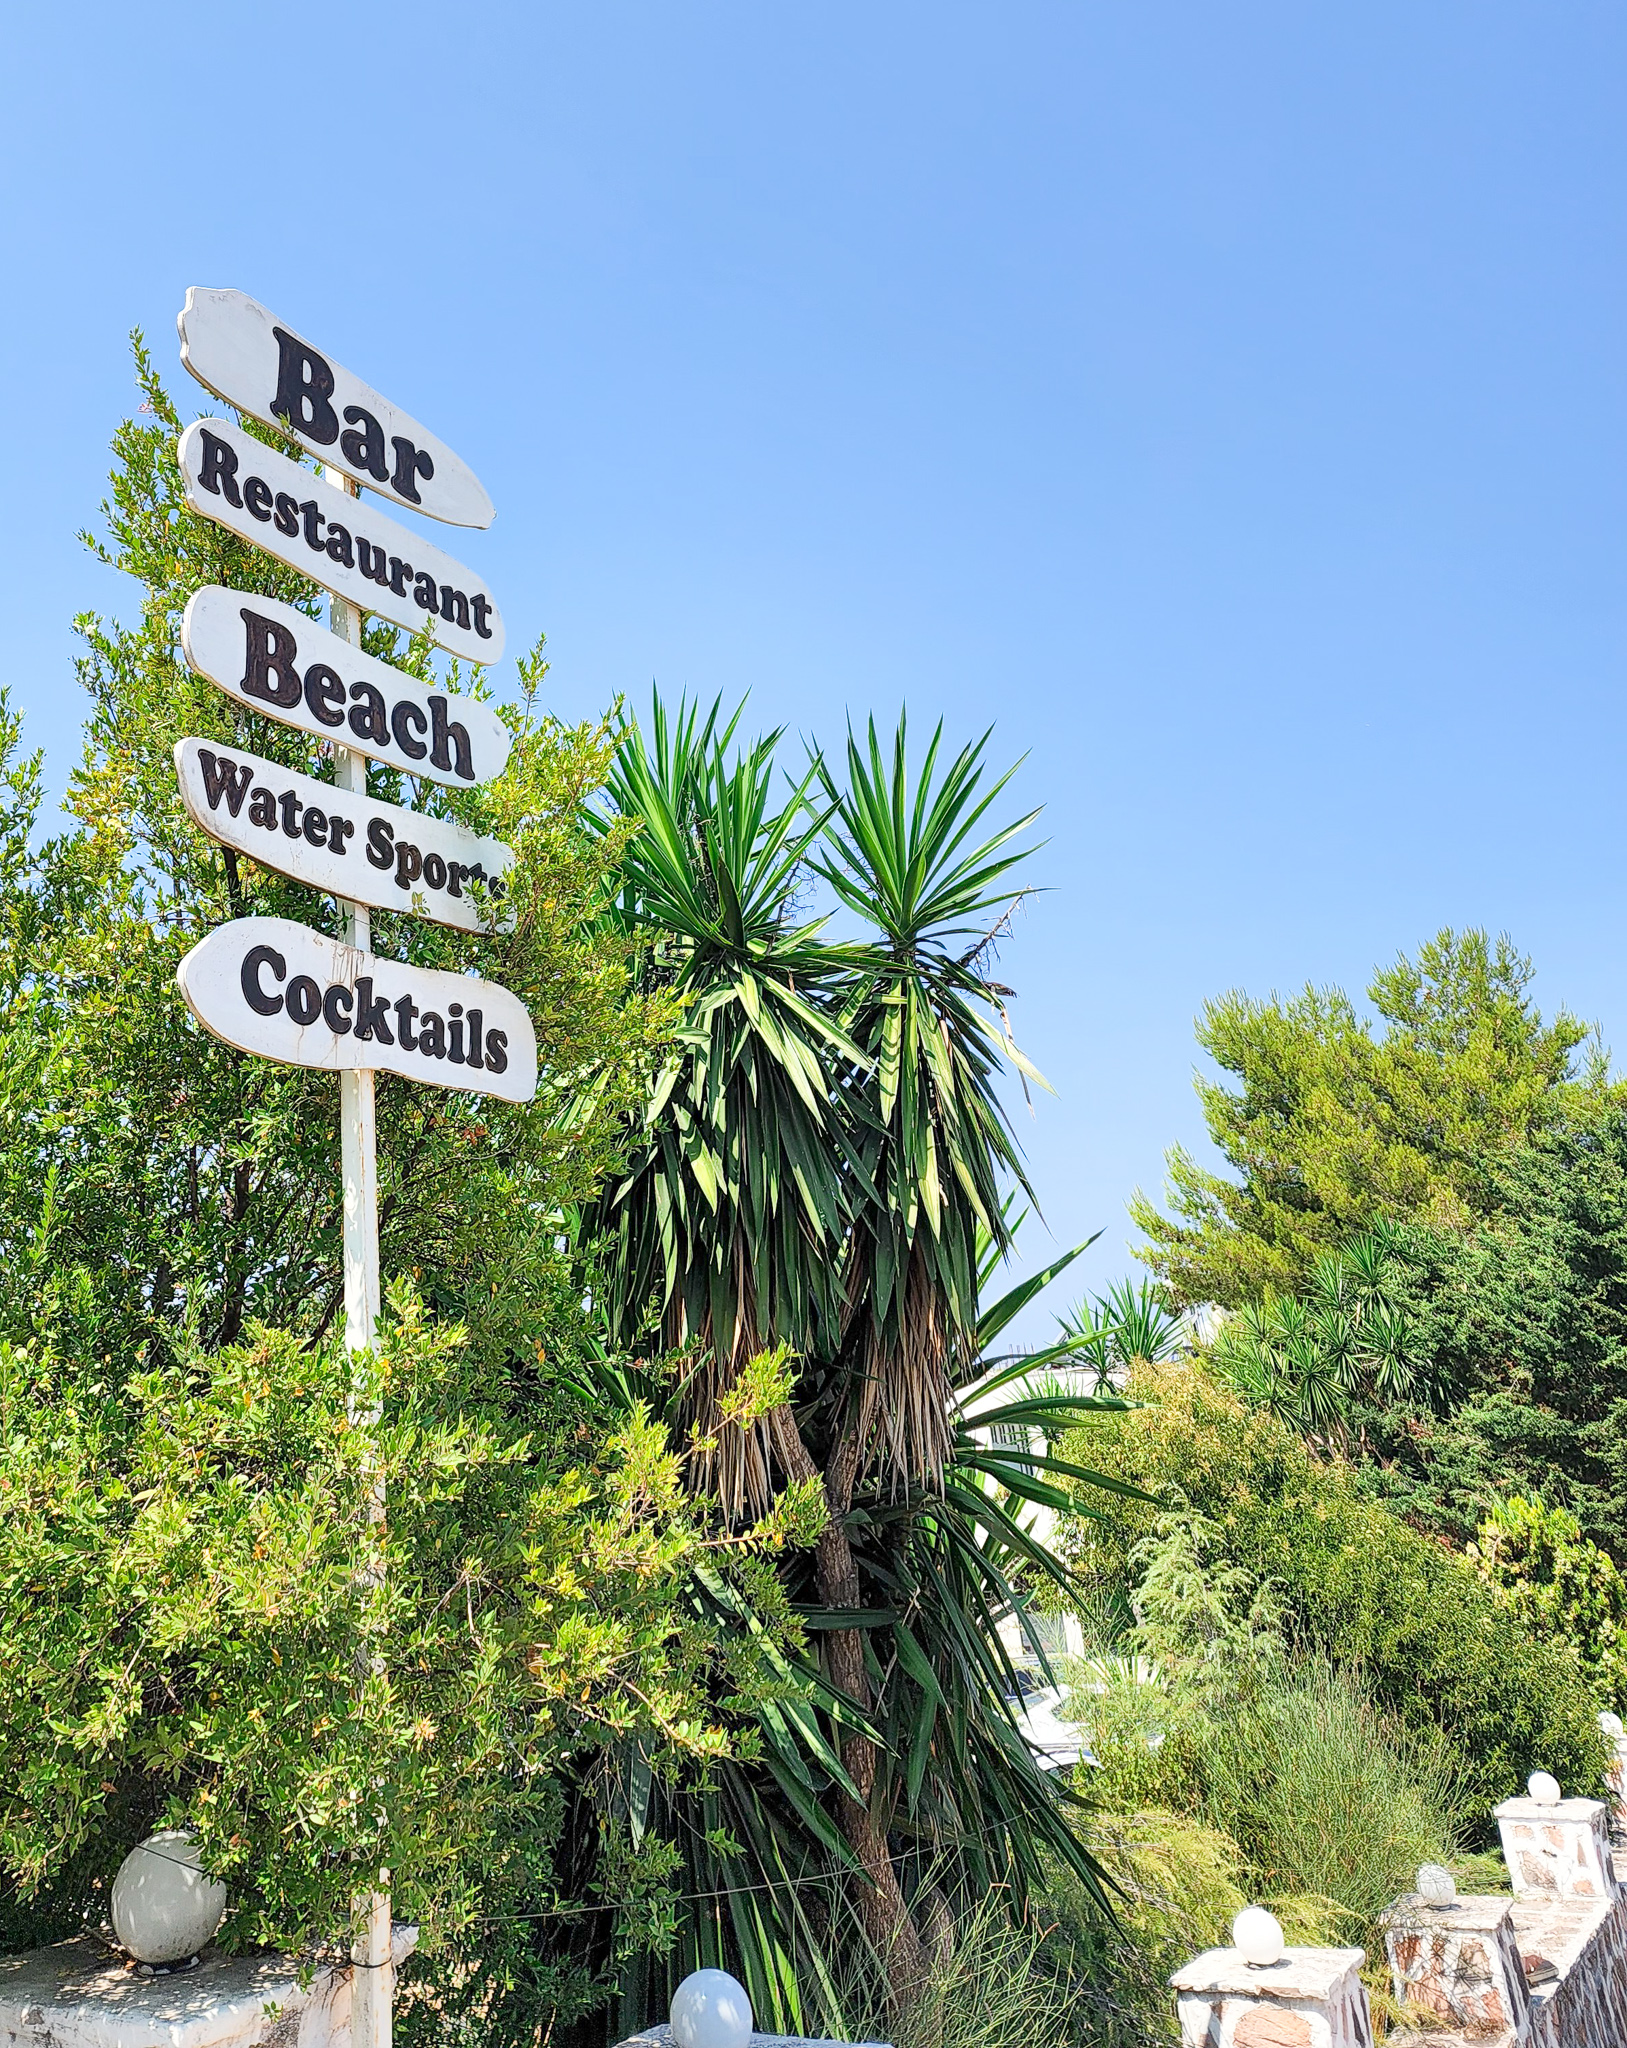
<point x="346" y="844"/>
<point x="245" y="355"/>
<point x="272" y="659"/>
<point x="276" y="988"/>
<point x="343" y="543"/>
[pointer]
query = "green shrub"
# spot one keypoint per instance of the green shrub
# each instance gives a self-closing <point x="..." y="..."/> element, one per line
<point x="1328" y="1798"/>
<point x="1560" y="1587"/>
<point x="1435" y="1645"/>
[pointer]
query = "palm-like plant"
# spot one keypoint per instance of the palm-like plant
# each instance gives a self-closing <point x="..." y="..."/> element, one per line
<point x="821" y="1158"/>
<point x="1309" y="1358"/>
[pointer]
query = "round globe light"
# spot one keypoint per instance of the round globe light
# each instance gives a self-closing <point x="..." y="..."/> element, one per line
<point x="164" y="1907"/>
<point x="710" y="2009"/>
<point x="1257" y="1937"/>
<point x="1543" y="1785"/>
<point x="1610" y="1724"/>
<point x="1436" y="1884"/>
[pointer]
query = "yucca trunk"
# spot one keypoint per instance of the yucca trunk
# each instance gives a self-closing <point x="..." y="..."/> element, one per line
<point x="881" y="1904"/>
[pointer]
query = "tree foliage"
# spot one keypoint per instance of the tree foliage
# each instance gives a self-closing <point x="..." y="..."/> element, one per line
<point x="1562" y="1588"/>
<point x="1334" y="1126"/>
<point x="1353" y="1581"/>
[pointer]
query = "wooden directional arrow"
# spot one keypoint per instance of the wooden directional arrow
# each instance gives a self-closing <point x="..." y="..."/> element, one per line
<point x="343" y="543"/>
<point x="272" y="659"/>
<point x="347" y="845"/>
<point x="273" y="987"/>
<point x="245" y="355"/>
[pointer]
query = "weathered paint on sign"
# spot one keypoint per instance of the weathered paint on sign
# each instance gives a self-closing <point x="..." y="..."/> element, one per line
<point x="272" y="659"/>
<point x="346" y="544"/>
<point x="277" y="989"/>
<point x="241" y="352"/>
<point x="348" y="845"/>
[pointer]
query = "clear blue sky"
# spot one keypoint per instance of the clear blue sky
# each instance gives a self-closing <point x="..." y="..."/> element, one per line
<point x="1226" y="401"/>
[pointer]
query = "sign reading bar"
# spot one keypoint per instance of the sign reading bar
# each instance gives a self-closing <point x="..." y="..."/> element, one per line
<point x="276" y="988"/>
<point x="345" y="843"/>
<point x="272" y="659"/>
<point x="343" y="543"/>
<point x="245" y="355"/>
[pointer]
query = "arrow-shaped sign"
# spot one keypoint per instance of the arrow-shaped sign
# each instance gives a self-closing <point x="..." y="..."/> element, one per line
<point x="345" y="544"/>
<point x="273" y="987"/>
<point x="245" y="355"/>
<point x="343" y="843"/>
<point x="272" y="659"/>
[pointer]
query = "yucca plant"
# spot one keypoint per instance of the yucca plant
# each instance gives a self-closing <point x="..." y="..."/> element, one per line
<point x="822" y="1169"/>
<point x="1309" y="1357"/>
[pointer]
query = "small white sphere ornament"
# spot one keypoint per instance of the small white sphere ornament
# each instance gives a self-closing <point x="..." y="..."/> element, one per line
<point x="1543" y="1785"/>
<point x="710" y="2009"/>
<point x="164" y="1907"/>
<point x="1257" y="1937"/>
<point x="1610" y="1724"/>
<point x="1436" y="1884"/>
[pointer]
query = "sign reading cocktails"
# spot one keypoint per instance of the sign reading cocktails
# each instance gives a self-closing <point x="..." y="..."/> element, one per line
<point x="270" y="986"/>
<point x="266" y="985"/>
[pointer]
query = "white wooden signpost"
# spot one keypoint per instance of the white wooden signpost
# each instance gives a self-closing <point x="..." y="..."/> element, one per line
<point x="268" y="985"/>
<point x="348" y="547"/>
<point x="346" y="845"/>
<point x="276" y="661"/>
<point x="245" y="355"/>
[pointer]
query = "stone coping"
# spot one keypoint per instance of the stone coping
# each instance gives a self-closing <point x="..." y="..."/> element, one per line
<point x="1552" y="1933"/>
<point x="1478" y="1914"/>
<point x="78" y="1992"/>
<point x="1548" y="1810"/>
<point x="1302" y="1973"/>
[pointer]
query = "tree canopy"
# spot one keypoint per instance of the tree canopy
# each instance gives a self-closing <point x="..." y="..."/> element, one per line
<point x="1335" y="1124"/>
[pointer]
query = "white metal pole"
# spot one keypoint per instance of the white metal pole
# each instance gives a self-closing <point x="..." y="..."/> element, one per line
<point x="372" y="1974"/>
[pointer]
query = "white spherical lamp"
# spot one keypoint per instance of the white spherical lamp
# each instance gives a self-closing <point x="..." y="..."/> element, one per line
<point x="1257" y="1937"/>
<point x="710" y="2009"/>
<point x="164" y="1907"/>
<point x="1436" y="1884"/>
<point x="1543" y="1785"/>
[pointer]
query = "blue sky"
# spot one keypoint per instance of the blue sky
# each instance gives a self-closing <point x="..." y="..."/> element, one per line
<point x="1226" y="402"/>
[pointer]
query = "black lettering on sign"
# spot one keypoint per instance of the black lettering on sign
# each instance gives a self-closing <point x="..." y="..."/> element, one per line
<point x="339" y="830"/>
<point x="257" y="497"/>
<point x="424" y="593"/>
<point x="409" y="863"/>
<point x="339" y="544"/>
<point x="497" y="1052"/>
<point x="259" y="998"/>
<point x="473" y="1058"/>
<point x="372" y="562"/>
<point x="219" y="472"/>
<point x="271" y="653"/>
<point x="304" y="1000"/>
<point x="447" y="736"/>
<point x="410" y="464"/>
<point x="336" y="1008"/>
<point x="371" y="1012"/>
<point x="304" y="387"/>
<point x="407" y="713"/>
<point x="482" y="604"/>
<point x="224" y="777"/>
<point x="263" y="810"/>
<point x="454" y="607"/>
<point x="324" y="694"/>
<point x="367" y="720"/>
<point x="363" y="445"/>
<point x="380" y="843"/>
<point x="287" y="520"/>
